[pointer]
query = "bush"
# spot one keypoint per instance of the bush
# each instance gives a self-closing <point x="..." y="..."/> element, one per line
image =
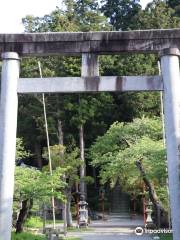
<point x="34" y="222"/>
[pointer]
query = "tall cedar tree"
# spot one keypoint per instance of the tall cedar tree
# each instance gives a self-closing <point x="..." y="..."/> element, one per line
<point x="175" y="4"/>
<point x="122" y="13"/>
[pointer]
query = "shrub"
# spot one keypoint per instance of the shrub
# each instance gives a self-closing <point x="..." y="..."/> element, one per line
<point x="34" y="222"/>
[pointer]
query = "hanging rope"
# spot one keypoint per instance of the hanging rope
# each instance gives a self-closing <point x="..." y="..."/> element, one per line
<point x="48" y="146"/>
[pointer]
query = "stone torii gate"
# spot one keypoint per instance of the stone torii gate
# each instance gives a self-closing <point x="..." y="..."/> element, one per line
<point x="166" y="43"/>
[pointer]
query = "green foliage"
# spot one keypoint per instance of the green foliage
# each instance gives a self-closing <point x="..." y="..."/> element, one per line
<point x="134" y="64"/>
<point x="68" y="159"/>
<point x="34" y="184"/>
<point x="124" y="143"/>
<point x="89" y="17"/>
<point x="175" y="4"/>
<point x="119" y="133"/>
<point x="158" y="15"/>
<point x="37" y="222"/>
<point x="20" y="150"/>
<point x="122" y="13"/>
<point x="34" y="222"/>
<point x="90" y="107"/>
<point x="77" y="16"/>
<point x="128" y="105"/>
<point x="97" y="111"/>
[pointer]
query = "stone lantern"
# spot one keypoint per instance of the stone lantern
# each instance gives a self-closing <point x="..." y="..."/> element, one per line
<point x="149" y="221"/>
<point x="83" y="212"/>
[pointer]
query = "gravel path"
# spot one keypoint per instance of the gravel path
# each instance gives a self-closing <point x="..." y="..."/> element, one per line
<point x="111" y="236"/>
<point x="113" y="229"/>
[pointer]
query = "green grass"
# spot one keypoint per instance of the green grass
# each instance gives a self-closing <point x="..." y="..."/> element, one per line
<point x="82" y="229"/>
<point x="26" y="236"/>
<point x="73" y="238"/>
<point x="51" y="221"/>
<point x="37" y="222"/>
<point x="166" y="236"/>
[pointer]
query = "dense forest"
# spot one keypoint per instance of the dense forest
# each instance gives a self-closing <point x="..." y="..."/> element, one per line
<point x="96" y="139"/>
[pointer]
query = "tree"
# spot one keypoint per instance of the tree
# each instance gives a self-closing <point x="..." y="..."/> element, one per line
<point x="89" y="17"/>
<point x="70" y="160"/>
<point x="90" y="113"/>
<point x="157" y="15"/>
<point x="30" y="184"/>
<point x="20" y="150"/>
<point x="129" y="105"/>
<point x="122" y="13"/>
<point x="134" y="152"/>
<point x="34" y="184"/>
<point x="87" y="108"/>
<point x="174" y="4"/>
<point x="78" y="16"/>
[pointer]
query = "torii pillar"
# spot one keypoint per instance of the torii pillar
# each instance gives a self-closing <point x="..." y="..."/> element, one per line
<point x="171" y="80"/>
<point x="90" y="72"/>
<point x="8" y="125"/>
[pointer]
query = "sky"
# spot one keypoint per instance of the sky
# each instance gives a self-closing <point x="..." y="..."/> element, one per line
<point x="12" y="12"/>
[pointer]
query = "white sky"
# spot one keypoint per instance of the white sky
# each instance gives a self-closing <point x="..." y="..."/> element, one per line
<point x="12" y="11"/>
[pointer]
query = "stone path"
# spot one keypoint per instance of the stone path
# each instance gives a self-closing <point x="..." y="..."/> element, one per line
<point x="112" y="229"/>
<point x="110" y="236"/>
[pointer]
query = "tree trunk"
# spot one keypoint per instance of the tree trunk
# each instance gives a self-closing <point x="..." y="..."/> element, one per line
<point x="26" y="206"/>
<point x="61" y="142"/>
<point x="37" y="148"/>
<point x="83" y="164"/>
<point x="60" y="133"/>
<point x="68" y="208"/>
<point x="159" y="209"/>
<point x="95" y="177"/>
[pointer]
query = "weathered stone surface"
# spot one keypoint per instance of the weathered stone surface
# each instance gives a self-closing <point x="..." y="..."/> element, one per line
<point x="90" y="84"/>
<point x="76" y="43"/>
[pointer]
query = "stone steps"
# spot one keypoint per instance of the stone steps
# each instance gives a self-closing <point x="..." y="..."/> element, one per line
<point x="120" y="203"/>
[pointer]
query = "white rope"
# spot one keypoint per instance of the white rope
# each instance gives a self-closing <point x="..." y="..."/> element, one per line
<point x="48" y="146"/>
